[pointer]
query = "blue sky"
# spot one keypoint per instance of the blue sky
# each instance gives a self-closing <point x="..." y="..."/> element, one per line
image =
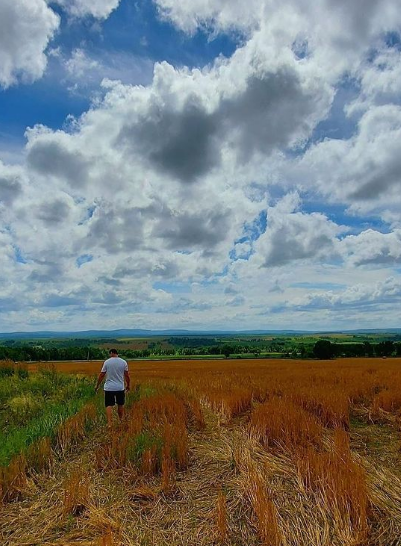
<point x="187" y="163"/>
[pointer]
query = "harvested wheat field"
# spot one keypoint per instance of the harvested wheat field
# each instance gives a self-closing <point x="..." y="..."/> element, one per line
<point x="234" y="452"/>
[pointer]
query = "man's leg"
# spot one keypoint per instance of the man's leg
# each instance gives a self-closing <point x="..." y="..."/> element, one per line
<point x="120" y="399"/>
<point x="109" y="401"/>
<point x="109" y="414"/>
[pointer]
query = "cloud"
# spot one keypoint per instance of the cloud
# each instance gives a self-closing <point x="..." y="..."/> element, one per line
<point x="153" y="175"/>
<point x="236" y="301"/>
<point x="180" y="143"/>
<point x="193" y="119"/>
<point x="56" y="211"/>
<point x="26" y="28"/>
<point x="183" y="231"/>
<point x="230" y="290"/>
<point x="358" y="296"/>
<point x="6" y="246"/>
<point x="335" y="33"/>
<point x="242" y="251"/>
<point x="55" y="155"/>
<point x="57" y="300"/>
<point x="79" y="64"/>
<point x="115" y="229"/>
<point x="100" y="9"/>
<point x="85" y="71"/>
<point x="292" y="236"/>
<point x="379" y="80"/>
<point x="11" y="184"/>
<point x="271" y="112"/>
<point x="364" y="170"/>
<point x="205" y="178"/>
<point x="185" y="305"/>
<point x="371" y="247"/>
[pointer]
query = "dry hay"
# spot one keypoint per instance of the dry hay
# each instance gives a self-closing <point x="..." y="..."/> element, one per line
<point x="267" y="459"/>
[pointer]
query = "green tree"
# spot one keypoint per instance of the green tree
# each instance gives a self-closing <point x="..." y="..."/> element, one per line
<point x="368" y="348"/>
<point x="385" y="348"/>
<point x="226" y="350"/>
<point x="323" y="349"/>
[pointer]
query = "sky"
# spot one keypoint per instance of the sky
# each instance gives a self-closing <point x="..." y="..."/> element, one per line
<point x="200" y="164"/>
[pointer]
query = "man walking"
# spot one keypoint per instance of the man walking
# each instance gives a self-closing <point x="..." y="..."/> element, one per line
<point x="115" y="369"/>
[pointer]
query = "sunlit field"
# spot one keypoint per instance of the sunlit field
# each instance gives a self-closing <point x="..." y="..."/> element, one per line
<point x="240" y="452"/>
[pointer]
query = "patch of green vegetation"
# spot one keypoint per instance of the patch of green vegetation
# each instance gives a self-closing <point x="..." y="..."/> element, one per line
<point x="142" y="442"/>
<point x="145" y="391"/>
<point x="33" y="406"/>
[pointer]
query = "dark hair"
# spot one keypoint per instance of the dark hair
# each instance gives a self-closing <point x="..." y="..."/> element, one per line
<point x="113" y="351"/>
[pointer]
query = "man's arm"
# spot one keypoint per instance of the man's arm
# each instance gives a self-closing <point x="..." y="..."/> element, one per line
<point x="127" y="380"/>
<point x="99" y="380"/>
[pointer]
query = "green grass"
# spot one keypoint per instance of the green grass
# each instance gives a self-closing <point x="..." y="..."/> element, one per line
<point x="33" y="407"/>
<point x="140" y="443"/>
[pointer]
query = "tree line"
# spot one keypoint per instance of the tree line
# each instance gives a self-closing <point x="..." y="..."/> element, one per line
<point x="322" y="349"/>
<point x="325" y="349"/>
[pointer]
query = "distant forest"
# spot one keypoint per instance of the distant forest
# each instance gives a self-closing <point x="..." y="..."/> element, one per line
<point x="224" y="347"/>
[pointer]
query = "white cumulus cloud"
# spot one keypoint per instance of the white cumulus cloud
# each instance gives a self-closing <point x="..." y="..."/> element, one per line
<point x="372" y="247"/>
<point x="100" y="9"/>
<point x="26" y="28"/>
<point x="292" y="236"/>
<point x="335" y="33"/>
<point x="363" y="171"/>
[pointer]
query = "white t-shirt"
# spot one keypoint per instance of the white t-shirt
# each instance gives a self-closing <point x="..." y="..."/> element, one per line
<point x="114" y="368"/>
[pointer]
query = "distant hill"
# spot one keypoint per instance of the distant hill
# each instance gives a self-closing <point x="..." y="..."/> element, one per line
<point x="136" y="333"/>
<point x="91" y="334"/>
<point x="178" y="332"/>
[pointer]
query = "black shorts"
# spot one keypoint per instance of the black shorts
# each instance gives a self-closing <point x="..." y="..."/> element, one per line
<point x="113" y="397"/>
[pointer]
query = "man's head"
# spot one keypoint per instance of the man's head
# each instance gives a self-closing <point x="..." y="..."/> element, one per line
<point x="113" y="352"/>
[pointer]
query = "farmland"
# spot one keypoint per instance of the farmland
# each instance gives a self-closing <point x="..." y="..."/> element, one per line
<point x="90" y="346"/>
<point x="233" y="452"/>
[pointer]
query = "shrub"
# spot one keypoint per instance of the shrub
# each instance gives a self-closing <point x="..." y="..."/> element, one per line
<point x="23" y="408"/>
